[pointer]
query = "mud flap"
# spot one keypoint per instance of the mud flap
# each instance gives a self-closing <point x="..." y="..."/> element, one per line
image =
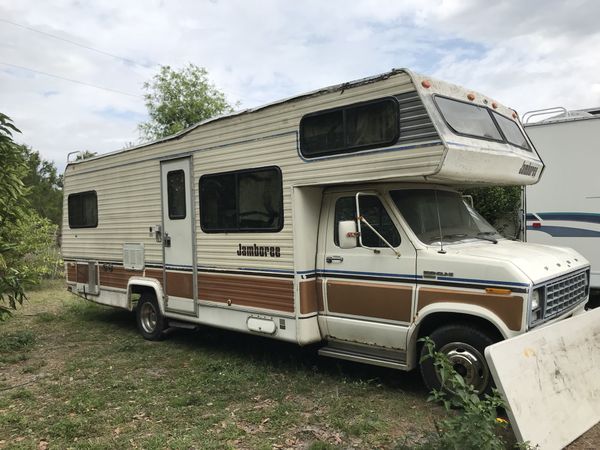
<point x="550" y="379"/>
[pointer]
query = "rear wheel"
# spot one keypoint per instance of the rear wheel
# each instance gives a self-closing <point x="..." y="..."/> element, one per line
<point x="150" y="321"/>
<point x="464" y="346"/>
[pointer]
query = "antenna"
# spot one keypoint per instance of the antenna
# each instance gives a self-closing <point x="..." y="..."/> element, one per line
<point x="437" y="209"/>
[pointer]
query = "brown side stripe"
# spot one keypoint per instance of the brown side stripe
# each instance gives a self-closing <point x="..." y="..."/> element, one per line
<point x="83" y="273"/>
<point x="267" y="292"/>
<point x="308" y="297"/>
<point x="116" y="276"/>
<point x="383" y="301"/>
<point x="71" y="272"/>
<point x="180" y="284"/>
<point x="508" y="307"/>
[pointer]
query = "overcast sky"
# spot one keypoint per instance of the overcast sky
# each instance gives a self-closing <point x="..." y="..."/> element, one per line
<point x="527" y="54"/>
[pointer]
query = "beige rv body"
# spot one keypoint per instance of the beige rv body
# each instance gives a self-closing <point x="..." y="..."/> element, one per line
<point x="285" y="290"/>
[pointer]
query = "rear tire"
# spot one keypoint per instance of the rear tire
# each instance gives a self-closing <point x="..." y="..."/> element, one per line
<point x="150" y="321"/>
<point x="464" y="346"/>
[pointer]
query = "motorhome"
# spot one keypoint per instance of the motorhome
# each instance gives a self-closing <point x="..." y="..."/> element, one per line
<point x="331" y="217"/>
<point x="563" y="209"/>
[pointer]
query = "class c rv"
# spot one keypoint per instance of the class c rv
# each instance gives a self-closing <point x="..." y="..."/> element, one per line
<point x="333" y="217"/>
<point x="564" y="207"/>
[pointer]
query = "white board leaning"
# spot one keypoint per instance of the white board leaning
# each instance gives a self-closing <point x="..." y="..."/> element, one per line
<point x="550" y="379"/>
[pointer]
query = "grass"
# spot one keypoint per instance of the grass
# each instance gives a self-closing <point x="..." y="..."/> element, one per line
<point x="78" y="375"/>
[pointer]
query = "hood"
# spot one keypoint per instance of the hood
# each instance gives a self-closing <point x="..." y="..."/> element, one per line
<point x="538" y="262"/>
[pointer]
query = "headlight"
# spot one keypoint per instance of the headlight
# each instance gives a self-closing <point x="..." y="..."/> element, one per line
<point x="535" y="300"/>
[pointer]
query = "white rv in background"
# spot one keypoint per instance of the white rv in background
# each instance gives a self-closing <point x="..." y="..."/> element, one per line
<point x="330" y="217"/>
<point x="563" y="209"/>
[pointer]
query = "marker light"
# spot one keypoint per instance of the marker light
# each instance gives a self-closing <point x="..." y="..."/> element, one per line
<point x="494" y="105"/>
<point x="536" y="225"/>
<point x="514" y="115"/>
<point x="426" y="84"/>
<point x="471" y="97"/>
<point x="497" y="291"/>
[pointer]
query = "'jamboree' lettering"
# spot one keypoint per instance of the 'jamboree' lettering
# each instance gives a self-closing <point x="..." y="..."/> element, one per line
<point x="259" y="250"/>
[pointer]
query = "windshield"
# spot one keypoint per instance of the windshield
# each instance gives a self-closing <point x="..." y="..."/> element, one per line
<point x="512" y="131"/>
<point x="457" y="220"/>
<point x="469" y="119"/>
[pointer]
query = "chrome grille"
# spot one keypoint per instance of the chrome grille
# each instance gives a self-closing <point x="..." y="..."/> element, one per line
<point x="563" y="293"/>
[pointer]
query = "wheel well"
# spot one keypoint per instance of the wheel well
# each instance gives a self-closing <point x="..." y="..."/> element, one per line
<point x="137" y="291"/>
<point x="436" y="320"/>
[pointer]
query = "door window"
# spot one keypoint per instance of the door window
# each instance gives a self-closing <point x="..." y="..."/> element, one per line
<point x="176" y="194"/>
<point x="374" y="212"/>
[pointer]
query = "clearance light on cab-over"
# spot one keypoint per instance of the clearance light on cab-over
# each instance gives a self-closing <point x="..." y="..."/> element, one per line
<point x="497" y="291"/>
<point x="471" y="96"/>
<point x="426" y="84"/>
<point x="494" y="105"/>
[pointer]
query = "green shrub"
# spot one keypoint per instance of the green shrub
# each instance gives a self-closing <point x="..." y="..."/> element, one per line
<point x="472" y="422"/>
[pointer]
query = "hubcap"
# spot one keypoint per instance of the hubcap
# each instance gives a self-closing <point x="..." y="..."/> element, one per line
<point x="148" y="317"/>
<point x="468" y="363"/>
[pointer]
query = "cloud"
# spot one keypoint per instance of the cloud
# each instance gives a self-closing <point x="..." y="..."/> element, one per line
<point x="527" y="55"/>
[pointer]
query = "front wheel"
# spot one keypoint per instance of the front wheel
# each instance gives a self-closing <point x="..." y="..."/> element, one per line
<point x="150" y="321"/>
<point x="464" y="347"/>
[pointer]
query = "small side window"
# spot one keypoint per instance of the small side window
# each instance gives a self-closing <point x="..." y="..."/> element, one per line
<point x="375" y="213"/>
<point x="176" y="194"/>
<point x="83" y="210"/>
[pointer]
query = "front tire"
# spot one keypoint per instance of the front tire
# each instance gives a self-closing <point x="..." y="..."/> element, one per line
<point x="150" y="321"/>
<point x="464" y="346"/>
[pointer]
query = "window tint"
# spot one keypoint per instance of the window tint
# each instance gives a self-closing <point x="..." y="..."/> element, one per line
<point x="374" y="212"/>
<point x="249" y="200"/>
<point x="83" y="210"/>
<point x="176" y="194"/>
<point x="512" y="132"/>
<point x="351" y="128"/>
<point x="465" y="118"/>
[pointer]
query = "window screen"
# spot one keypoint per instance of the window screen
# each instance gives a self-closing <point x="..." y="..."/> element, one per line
<point x="465" y="118"/>
<point x="249" y="200"/>
<point x="374" y="212"/>
<point x="351" y="128"/>
<point x="176" y="194"/>
<point x="83" y="210"/>
<point x="512" y="132"/>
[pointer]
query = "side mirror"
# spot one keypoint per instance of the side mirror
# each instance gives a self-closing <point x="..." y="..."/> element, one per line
<point x="347" y="234"/>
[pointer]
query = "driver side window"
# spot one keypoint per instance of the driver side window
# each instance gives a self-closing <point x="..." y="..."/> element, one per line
<point x="374" y="212"/>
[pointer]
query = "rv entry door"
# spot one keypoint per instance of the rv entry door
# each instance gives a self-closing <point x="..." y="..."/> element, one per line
<point x="179" y="277"/>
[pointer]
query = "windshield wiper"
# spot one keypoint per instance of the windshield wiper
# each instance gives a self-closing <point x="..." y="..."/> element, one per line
<point x="486" y="233"/>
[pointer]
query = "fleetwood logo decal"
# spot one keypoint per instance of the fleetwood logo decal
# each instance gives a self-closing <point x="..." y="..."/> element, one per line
<point x="528" y="169"/>
<point x="258" y="250"/>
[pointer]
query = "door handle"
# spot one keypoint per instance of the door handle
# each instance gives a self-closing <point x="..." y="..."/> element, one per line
<point x="166" y="240"/>
<point x="332" y="259"/>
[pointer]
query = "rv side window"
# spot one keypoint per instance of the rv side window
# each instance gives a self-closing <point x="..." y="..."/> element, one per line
<point x="374" y="212"/>
<point x="176" y="194"/>
<point x="512" y="132"/>
<point x="350" y="129"/>
<point x="243" y="201"/>
<point x="83" y="210"/>
<point x="468" y="119"/>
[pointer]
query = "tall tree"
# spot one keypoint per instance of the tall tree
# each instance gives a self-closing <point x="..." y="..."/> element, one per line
<point x="25" y="237"/>
<point x="178" y="99"/>
<point x="12" y="196"/>
<point x="44" y="186"/>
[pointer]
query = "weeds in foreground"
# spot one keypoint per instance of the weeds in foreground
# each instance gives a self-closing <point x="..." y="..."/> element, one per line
<point x="473" y="422"/>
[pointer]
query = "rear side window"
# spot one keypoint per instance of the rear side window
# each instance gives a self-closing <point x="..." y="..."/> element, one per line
<point x="511" y="131"/>
<point x="374" y="212"/>
<point x="242" y="201"/>
<point x="468" y="119"/>
<point x="176" y="194"/>
<point x="83" y="210"/>
<point x="351" y="128"/>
